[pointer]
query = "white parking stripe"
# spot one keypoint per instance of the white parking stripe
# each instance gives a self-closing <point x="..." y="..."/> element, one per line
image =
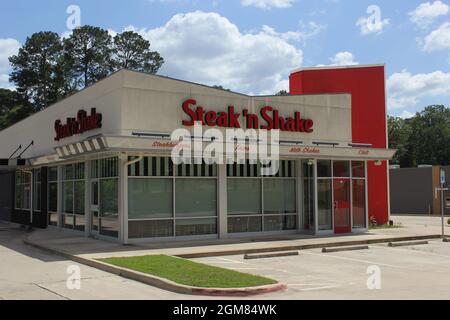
<point x="352" y="259"/>
<point x="416" y="250"/>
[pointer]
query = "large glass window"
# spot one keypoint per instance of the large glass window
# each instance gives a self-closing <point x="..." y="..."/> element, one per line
<point x="73" y="180"/>
<point x="324" y="196"/>
<point x="150" y="198"/>
<point x="195" y="197"/>
<point x="359" y="194"/>
<point x="23" y="190"/>
<point x="246" y="189"/>
<point x="37" y="190"/>
<point x="244" y="196"/>
<point x="52" y="191"/>
<point x="106" y="172"/>
<point x="279" y="196"/>
<point x="167" y="201"/>
<point x="341" y="169"/>
<point x="308" y="195"/>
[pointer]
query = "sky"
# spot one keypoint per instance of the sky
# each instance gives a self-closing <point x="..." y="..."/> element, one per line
<point x="251" y="46"/>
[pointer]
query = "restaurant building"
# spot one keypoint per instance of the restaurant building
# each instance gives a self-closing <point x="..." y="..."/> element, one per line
<point x="99" y="162"/>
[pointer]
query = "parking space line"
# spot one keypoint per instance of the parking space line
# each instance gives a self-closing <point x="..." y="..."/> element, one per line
<point x="230" y="260"/>
<point x="353" y="259"/>
<point x="415" y="250"/>
<point x="318" y="288"/>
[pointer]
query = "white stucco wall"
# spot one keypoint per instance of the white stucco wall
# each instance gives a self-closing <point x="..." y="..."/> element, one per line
<point x="131" y="101"/>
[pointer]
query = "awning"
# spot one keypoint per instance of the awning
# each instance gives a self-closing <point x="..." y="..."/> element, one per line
<point x="92" y="145"/>
<point x="165" y="146"/>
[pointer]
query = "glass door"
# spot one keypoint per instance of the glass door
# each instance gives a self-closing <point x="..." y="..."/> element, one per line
<point x="342" y="212"/>
<point x="95" y="212"/>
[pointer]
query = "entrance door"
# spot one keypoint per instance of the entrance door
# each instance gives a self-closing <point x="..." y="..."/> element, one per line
<point x="95" y="212"/>
<point x="342" y="213"/>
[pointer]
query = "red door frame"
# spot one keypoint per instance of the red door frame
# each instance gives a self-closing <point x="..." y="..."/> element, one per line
<point x="342" y="204"/>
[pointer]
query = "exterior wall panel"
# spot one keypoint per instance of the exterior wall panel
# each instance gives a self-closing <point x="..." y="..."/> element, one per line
<point x="367" y="87"/>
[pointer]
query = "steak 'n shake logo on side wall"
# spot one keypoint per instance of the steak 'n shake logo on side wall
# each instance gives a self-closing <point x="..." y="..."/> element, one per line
<point x="82" y="123"/>
<point x="269" y="119"/>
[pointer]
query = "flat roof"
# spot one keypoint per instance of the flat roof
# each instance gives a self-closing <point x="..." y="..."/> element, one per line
<point x="337" y="67"/>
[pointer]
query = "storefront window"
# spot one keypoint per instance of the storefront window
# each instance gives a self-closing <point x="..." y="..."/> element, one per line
<point x="196" y="198"/>
<point x="155" y="185"/>
<point x="279" y="196"/>
<point x="150" y="198"/>
<point x="359" y="194"/>
<point x="53" y="196"/>
<point x="341" y="169"/>
<point x="324" y="196"/>
<point x="37" y="190"/>
<point x="324" y="169"/>
<point x="308" y="195"/>
<point x="23" y="190"/>
<point x="246" y="189"/>
<point x="73" y="180"/>
<point x="244" y="196"/>
<point x="358" y="169"/>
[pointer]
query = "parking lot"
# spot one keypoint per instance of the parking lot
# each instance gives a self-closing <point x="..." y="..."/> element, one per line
<point x="413" y="272"/>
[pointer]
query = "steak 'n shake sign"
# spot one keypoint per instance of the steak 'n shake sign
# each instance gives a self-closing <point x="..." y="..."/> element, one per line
<point x="268" y="119"/>
<point x="82" y="123"/>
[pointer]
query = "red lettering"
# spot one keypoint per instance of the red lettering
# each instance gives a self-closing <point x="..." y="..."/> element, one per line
<point x="189" y="112"/>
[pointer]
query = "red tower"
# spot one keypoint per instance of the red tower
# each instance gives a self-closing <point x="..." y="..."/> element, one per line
<point x="366" y="84"/>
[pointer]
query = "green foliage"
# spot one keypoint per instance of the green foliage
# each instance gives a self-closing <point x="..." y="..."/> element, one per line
<point x="48" y="69"/>
<point x="188" y="272"/>
<point x="87" y="53"/>
<point x="13" y="108"/>
<point x="424" y="139"/>
<point x="132" y="51"/>
<point x="282" y="93"/>
<point x="37" y="69"/>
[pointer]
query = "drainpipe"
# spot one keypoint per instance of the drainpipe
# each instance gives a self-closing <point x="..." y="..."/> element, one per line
<point x="125" y="196"/>
<point x="31" y="194"/>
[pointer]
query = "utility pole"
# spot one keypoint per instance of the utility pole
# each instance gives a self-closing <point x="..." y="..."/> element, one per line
<point x="442" y="189"/>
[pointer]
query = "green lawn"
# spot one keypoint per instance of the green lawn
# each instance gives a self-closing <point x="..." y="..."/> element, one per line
<point x="190" y="273"/>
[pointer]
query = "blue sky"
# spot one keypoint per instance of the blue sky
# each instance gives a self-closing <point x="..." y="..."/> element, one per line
<point x="251" y="46"/>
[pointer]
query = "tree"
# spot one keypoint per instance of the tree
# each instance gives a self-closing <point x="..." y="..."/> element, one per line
<point x="13" y="108"/>
<point x="88" y="54"/>
<point x="399" y="131"/>
<point x="282" y="93"/>
<point x="220" y="88"/>
<point x="132" y="51"/>
<point x="36" y="69"/>
<point x="429" y="140"/>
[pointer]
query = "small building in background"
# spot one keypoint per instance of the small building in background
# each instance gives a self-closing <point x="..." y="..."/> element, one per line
<point x="412" y="190"/>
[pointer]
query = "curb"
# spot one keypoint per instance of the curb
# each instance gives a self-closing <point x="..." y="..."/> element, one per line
<point x="404" y="244"/>
<point x="339" y="249"/>
<point x="306" y="246"/>
<point x="163" y="283"/>
<point x="271" y="255"/>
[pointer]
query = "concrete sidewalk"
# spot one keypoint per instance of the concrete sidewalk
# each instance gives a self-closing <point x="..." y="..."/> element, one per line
<point x="75" y="245"/>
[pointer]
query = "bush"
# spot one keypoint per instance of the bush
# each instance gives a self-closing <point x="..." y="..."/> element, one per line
<point x="448" y="221"/>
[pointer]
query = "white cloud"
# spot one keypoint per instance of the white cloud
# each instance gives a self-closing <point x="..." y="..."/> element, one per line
<point x="406" y="114"/>
<point x="406" y="89"/>
<point x="344" y="58"/>
<point x="8" y="47"/>
<point x="209" y="49"/>
<point x="268" y="4"/>
<point x="372" y="23"/>
<point x="426" y="13"/>
<point x="307" y="31"/>
<point x="438" y="39"/>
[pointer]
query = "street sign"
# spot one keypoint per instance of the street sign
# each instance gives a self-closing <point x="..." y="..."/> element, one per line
<point x="442" y="176"/>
